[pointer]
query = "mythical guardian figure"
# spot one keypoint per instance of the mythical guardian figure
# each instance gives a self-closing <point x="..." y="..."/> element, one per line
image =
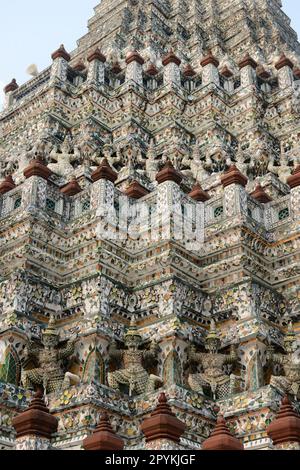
<point x="290" y="381"/>
<point x="133" y="375"/>
<point x="64" y="159"/>
<point x="260" y="157"/>
<point x="50" y="373"/>
<point x="212" y="362"/>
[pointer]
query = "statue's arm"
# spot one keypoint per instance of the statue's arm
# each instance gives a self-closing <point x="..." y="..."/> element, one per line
<point x="114" y="352"/>
<point x="67" y="351"/>
<point x="31" y="350"/>
<point x="152" y="352"/>
<point x="194" y="356"/>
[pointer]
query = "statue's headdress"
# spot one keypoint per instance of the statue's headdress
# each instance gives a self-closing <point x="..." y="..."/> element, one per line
<point x="212" y="340"/>
<point x="51" y="329"/>
<point x="132" y="331"/>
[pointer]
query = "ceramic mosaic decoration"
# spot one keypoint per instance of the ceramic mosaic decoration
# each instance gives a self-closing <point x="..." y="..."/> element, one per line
<point x="150" y="228"/>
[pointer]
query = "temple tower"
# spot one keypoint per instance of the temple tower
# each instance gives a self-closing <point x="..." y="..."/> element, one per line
<point x="149" y="225"/>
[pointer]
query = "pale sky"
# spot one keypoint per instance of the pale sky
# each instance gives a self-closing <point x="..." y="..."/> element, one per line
<point x="31" y="30"/>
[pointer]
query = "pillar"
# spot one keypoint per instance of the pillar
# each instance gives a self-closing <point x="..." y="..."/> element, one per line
<point x="152" y="73"/>
<point x="35" y="187"/>
<point x="235" y="196"/>
<point x="210" y="72"/>
<point x="248" y="71"/>
<point x="59" y="68"/>
<point x="96" y="70"/>
<point x="103" y="197"/>
<point x="285" y="72"/>
<point x="134" y="69"/>
<point x="9" y="91"/>
<point x="169" y="207"/>
<point x="189" y="75"/>
<point x="228" y="79"/>
<point x="171" y="65"/>
<point x="294" y="183"/>
<point x="6" y="185"/>
<point x="264" y="75"/>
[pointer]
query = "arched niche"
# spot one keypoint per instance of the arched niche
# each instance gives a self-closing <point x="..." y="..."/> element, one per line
<point x="94" y="368"/>
<point x="10" y="366"/>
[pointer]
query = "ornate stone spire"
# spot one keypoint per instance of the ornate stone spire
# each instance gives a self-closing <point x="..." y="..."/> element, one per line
<point x="36" y="420"/>
<point x="103" y="438"/>
<point x="221" y="438"/>
<point x="201" y="25"/>
<point x="286" y="426"/>
<point x="163" y="423"/>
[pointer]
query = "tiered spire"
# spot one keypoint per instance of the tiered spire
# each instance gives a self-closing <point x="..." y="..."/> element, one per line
<point x="103" y="438"/>
<point x="163" y="423"/>
<point x="286" y="426"/>
<point x="190" y="27"/>
<point x="36" y="420"/>
<point x="221" y="438"/>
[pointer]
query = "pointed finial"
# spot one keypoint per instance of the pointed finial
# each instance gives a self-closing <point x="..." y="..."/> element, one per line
<point x="233" y="176"/>
<point x="163" y="424"/>
<point x="61" y="52"/>
<point x="221" y="438"/>
<point x="36" y="420"/>
<point x="72" y="188"/>
<point x="168" y="173"/>
<point x="103" y="438"/>
<point x="105" y="172"/>
<point x="260" y="195"/>
<point x="96" y="55"/>
<point x="284" y="61"/>
<point x="136" y="191"/>
<point x="286" y="426"/>
<point x="12" y="86"/>
<point x="7" y="185"/>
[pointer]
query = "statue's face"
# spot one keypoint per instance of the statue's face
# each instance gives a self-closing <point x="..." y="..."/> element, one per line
<point x="50" y="341"/>
<point x="213" y="345"/>
<point x="132" y="342"/>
